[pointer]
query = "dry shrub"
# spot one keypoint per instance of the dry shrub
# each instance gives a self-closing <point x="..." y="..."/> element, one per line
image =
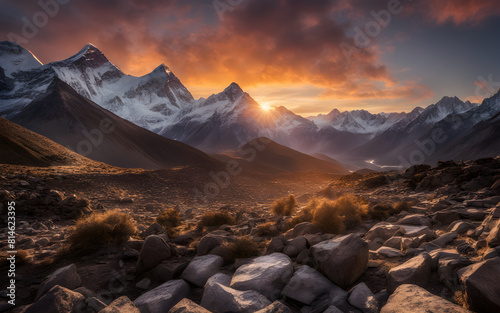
<point x="334" y="216"/>
<point x="267" y="230"/>
<point x="242" y="248"/>
<point x="284" y="206"/>
<point x="215" y="219"/>
<point x="99" y="229"/>
<point x="169" y="219"/>
<point x="22" y="257"/>
<point x="402" y="206"/>
<point x="381" y="211"/>
<point x="305" y="215"/>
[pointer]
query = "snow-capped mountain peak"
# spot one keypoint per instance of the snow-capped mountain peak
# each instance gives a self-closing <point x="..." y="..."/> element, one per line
<point x="14" y="58"/>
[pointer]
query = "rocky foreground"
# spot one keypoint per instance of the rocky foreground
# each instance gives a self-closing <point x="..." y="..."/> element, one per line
<point x="440" y="255"/>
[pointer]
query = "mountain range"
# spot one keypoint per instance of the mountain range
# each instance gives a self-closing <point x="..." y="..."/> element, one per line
<point x="160" y="104"/>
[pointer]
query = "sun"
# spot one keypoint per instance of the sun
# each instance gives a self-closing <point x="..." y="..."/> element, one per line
<point x="265" y="106"/>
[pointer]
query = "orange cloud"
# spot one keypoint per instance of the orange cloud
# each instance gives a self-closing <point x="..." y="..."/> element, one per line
<point x="461" y="11"/>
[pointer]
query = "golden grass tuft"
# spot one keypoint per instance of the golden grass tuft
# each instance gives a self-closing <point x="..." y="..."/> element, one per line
<point x="242" y="248"/>
<point x="169" y="219"/>
<point x="211" y="219"/>
<point x="284" y="206"/>
<point x="332" y="216"/>
<point x="100" y="229"/>
<point x="267" y="230"/>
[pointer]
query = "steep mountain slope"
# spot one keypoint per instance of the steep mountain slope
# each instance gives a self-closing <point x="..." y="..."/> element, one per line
<point x="21" y="146"/>
<point x="266" y="156"/>
<point x="66" y="117"/>
<point x="150" y="101"/>
<point x="227" y="120"/>
<point x="358" y="121"/>
<point x="399" y="142"/>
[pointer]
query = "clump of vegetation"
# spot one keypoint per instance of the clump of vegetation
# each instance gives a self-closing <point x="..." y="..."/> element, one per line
<point x="100" y="229"/>
<point x="22" y="257"/>
<point x="284" y="206"/>
<point x="338" y="215"/>
<point x="215" y="219"/>
<point x="242" y="248"/>
<point x="267" y="230"/>
<point x="402" y="206"/>
<point x="306" y="214"/>
<point x="381" y="211"/>
<point x="169" y="219"/>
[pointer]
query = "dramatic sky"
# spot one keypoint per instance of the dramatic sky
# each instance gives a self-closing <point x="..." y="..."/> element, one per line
<point x="310" y="56"/>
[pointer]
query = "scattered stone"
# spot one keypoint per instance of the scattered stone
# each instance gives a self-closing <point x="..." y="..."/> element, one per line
<point x="302" y="229"/>
<point x="202" y="268"/>
<point x="58" y="300"/>
<point x="416" y="220"/>
<point x="389" y="252"/>
<point x="480" y="281"/>
<point x="222" y="299"/>
<point x="154" y="251"/>
<point x="294" y="246"/>
<point x="445" y="239"/>
<point x="415" y="231"/>
<point x="493" y="238"/>
<point x="266" y="275"/>
<point x="416" y="271"/>
<point x="163" y="298"/>
<point x="153" y="229"/>
<point x="412" y="298"/>
<point x="277" y="244"/>
<point x="343" y="260"/>
<point x="332" y="309"/>
<point x="275" y="307"/>
<point x="446" y="217"/>
<point x="462" y="227"/>
<point x="221" y="278"/>
<point x="95" y="304"/>
<point x="168" y="270"/>
<point x="143" y="284"/>
<point x="213" y="240"/>
<point x="64" y="277"/>
<point x="307" y="284"/>
<point x="121" y="305"/>
<point x="362" y="297"/>
<point x="384" y="231"/>
<point x="188" y="306"/>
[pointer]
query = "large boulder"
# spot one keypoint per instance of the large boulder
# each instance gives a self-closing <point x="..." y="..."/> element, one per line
<point x="220" y="278"/>
<point x="343" y="260"/>
<point x="307" y="284"/>
<point x="188" y="306"/>
<point x="480" y="281"/>
<point x="222" y="299"/>
<point x="266" y="275"/>
<point x="163" y="298"/>
<point x="362" y="298"/>
<point x="153" y="252"/>
<point x="416" y="270"/>
<point x="58" y="300"/>
<point x="121" y="305"/>
<point x="202" y="268"/>
<point x="384" y="231"/>
<point x="412" y="298"/>
<point x="65" y="277"/>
